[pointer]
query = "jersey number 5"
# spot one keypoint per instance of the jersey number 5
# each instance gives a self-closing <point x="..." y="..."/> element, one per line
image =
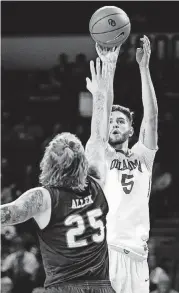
<point x="80" y="229"/>
<point x="127" y="185"/>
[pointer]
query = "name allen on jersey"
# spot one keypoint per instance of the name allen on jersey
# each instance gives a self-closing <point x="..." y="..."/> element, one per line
<point x="81" y="202"/>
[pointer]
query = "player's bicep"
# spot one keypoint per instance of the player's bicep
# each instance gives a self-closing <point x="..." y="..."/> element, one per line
<point x="95" y="153"/>
<point x="149" y="132"/>
<point x="28" y="205"/>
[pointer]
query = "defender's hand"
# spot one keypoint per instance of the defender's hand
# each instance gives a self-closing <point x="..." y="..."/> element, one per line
<point x="143" y="54"/>
<point x="100" y="77"/>
<point x="108" y="55"/>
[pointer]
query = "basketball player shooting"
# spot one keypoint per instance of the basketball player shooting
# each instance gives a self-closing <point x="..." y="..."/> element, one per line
<point x="69" y="210"/>
<point x="128" y="180"/>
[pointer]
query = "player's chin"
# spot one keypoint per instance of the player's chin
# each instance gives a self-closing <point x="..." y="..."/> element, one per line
<point x="114" y="139"/>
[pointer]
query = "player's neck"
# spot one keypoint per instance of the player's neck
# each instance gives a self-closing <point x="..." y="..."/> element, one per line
<point x="122" y="147"/>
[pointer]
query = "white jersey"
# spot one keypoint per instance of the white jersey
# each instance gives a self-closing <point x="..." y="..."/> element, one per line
<point x="127" y="190"/>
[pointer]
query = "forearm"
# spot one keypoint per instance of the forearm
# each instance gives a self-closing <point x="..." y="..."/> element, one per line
<point x="95" y="147"/>
<point x="10" y="214"/>
<point x="102" y="105"/>
<point x="110" y="101"/>
<point x="148" y="94"/>
<point x="148" y="131"/>
<point x="99" y="117"/>
<point x="110" y="95"/>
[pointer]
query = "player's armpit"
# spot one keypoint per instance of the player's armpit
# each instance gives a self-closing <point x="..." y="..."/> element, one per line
<point x="149" y="132"/>
<point x="28" y="205"/>
<point x="95" y="153"/>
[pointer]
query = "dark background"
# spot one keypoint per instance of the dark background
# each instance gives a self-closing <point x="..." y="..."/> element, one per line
<point x="60" y="17"/>
<point x="39" y="103"/>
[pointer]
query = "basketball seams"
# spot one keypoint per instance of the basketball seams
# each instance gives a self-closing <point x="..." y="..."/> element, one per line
<point x="112" y="30"/>
<point x="104" y="17"/>
<point x="114" y="34"/>
<point x="104" y="44"/>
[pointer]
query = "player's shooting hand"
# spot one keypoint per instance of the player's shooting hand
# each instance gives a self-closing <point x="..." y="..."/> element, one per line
<point x="108" y="55"/>
<point x="100" y="77"/>
<point x="143" y="54"/>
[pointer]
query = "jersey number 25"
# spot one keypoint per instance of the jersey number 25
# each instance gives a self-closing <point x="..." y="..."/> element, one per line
<point x="80" y="229"/>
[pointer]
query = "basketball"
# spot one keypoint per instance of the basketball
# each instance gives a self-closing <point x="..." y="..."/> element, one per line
<point x="109" y="26"/>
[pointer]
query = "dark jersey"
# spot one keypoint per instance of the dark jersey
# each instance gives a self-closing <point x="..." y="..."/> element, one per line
<point x="73" y="245"/>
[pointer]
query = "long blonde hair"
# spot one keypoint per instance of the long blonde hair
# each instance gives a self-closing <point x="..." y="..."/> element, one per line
<point x="64" y="163"/>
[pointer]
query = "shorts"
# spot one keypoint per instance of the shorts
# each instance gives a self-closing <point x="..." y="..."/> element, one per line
<point x="82" y="287"/>
<point x="127" y="274"/>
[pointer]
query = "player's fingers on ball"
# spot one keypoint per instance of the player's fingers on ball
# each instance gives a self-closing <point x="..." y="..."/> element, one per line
<point x="99" y="53"/>
<point x="98" y="49"/>
<point x="96" y="46"/>
<point x="92" y="69"/>
<point x="105" y="51"/>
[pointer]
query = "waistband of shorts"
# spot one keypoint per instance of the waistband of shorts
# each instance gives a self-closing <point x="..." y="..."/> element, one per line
<point x="81" y="284"/>
<point x="129" y="253"/>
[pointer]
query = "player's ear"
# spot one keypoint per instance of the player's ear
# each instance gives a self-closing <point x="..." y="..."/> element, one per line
<point x="131" y="132"/>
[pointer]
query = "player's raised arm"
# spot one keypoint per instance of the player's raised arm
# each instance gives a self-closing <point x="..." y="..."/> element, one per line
<point x="98" y="86"/>
<point x="95" y="148"/>
<point x="109" y="56"/>
<point x="28" y="205"/>
<point x="149" y="127"/>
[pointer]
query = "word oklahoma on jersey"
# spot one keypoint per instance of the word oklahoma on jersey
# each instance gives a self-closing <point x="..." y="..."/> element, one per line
<point x="127" y="191"/>
<point x="73" y="245"/>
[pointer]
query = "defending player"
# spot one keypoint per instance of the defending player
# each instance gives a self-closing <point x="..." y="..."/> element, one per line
<point x="70" y="212"/>
<point x="128" y="180"/>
